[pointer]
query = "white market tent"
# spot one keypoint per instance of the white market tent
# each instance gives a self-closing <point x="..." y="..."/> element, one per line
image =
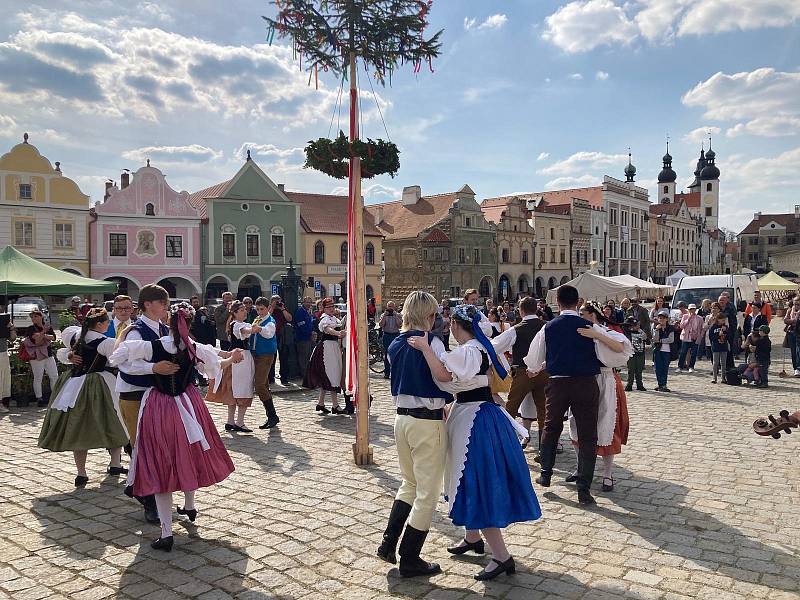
<point x="772" y="282"/>
<point x="645" y="288"/>
<point x="676" y="277"/>
<point x="595" y="287"/>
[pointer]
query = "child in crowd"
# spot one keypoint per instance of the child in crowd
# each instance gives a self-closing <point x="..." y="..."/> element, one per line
<point x="750" y="373"/>
<point x="718" y="334"/>
<point x="638" y="340"/>
<point x="761" y="347"/>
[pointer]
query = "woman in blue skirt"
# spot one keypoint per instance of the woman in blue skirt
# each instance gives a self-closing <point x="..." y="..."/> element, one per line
<point x="487" y="480"/>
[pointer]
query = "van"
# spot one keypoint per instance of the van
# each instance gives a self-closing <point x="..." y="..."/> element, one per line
<point x="695" y="289"/>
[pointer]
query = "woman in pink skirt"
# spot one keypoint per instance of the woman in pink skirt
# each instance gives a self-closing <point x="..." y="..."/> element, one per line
<point x="177" y="445"/>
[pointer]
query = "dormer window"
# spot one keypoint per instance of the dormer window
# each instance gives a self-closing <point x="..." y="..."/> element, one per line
<point x="25" y="191"/>
<point x="467" y="221"/>
<point x="149" y="209"/>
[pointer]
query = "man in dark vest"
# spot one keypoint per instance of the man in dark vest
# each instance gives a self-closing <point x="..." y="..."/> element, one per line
<point x="571" y="361"/>
<point x="518" y="340"/>
<point x="138" y="377"/>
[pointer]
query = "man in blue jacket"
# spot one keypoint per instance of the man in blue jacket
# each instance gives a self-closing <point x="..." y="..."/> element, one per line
<point x="571" y="361"/>
<point x="303" y="328"/>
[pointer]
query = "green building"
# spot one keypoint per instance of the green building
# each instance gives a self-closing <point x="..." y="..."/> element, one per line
<point x="249" y="233"/>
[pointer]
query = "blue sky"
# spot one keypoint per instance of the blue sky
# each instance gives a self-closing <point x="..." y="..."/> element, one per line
<point x="527" y="95"/>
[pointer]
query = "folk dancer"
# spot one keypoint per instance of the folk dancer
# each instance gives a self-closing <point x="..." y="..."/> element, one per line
<point x="264" y="348"/>
<point x="325" y="368"/>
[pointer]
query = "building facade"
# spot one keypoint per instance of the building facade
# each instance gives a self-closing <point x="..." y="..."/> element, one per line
<point x="674" y="239"/>
<point x="766" y="234"/>
<point x="145" y="232"/>
<point x="515" y="244"/>
<point x="43" y="213"/>
<point x="250" y="231"/>
<point x="323" y="221"/>
<point x="442" y="244"/>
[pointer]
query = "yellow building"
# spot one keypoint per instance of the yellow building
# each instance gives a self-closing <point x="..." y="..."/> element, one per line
<point x="43" y="213"/>
<point x="323" y="222"/>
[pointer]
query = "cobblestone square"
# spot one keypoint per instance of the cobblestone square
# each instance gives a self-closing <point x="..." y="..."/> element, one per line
<point x="703" y="508"/>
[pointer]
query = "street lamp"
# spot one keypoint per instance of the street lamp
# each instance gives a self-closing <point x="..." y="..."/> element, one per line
<point x="533" y="281"/>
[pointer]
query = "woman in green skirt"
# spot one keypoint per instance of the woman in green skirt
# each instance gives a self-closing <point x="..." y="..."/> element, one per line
<point x="82" y="414"/>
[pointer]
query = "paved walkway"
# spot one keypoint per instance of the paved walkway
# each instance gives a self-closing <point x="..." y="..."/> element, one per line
<point x="703" y="508"/>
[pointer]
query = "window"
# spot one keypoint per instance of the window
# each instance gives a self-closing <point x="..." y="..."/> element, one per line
<point x="118" y="244"/>
<point x="624" y="219"/>
<point x="467" y="221"/>
<point x="174" y="246"/>
<point x="25" y="191"/>
<point x="462" y="256"/>
<point x="23" y="233"/>
<point x="577" y="257"/>
<point x="369" y="254"/>
<point x="612" y="248"/>
<point x="643" y="255"/>
<point x="596" y="230"/>
<point x="624" y="250"/>
<point x="552" y="255"/>
<point x="253" y="249"/>
<point x="562" y="255"/>
<point x="709" y="187"/>
<point x="613" y="216"/>
<point x="666" y="189"/>
<point x="149" y="209"/>
<point x="541" y="255"/>
<point x="245" y="207"/>
<point x="602" y="252"/>
<point x="586" y="257"/>
<point x="343" y="253"/>
<point x="634" y="248"/>
<point x="754" y="241"/>
<point x="63" y="235"/>
<point x="552" y="233"/>
<point x="708" y="211"/>
<point x="524" y="257"/>
<point x="229" y="245"/>
<point x="594" y="254"/>
<point x="476" y="255"/>
<point x="772" y="241"/>
<point x="319" y="253"/>
<point x="504" y="255"/>
<point x="277" y="245"/>
<point x="635" y="220"/>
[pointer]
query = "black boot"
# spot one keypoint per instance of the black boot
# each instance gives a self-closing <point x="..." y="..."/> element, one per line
<point x="397" y="520"/>
<point x="348" y="405"/>
<point x="411" y="565"/>
<point x="586" y="463"/>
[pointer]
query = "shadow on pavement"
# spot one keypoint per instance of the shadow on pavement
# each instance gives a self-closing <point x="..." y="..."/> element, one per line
<point x="265" y="452"/>
<point x="647" y="520"/>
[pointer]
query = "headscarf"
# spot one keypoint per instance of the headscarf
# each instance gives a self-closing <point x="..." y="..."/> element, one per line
<point x="470" y="314"/>
<point x="184" y="312"/>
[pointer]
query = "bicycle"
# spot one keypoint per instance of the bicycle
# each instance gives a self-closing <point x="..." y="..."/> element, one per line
<point x="375" y="351"/>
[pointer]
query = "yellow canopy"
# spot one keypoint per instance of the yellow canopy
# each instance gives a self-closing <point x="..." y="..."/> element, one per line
<point x="772" y="282"/>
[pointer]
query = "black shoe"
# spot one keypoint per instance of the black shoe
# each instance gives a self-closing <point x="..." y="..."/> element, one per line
<point x="641" y="389"/>
<point x="271" y="422"/>
<point x="666" y="389"/>
<point x="41" y="402"/>
<point x="164" y="544"/>
<point x="192" y="513"/>
<point x="128" y="449"/>
<point x="397" y="520"/>
<point x="544" y="479"/>
<point x="585" y="498"/>
<point x="465" y="546"/>
<point x="338" y="411"/>
<point x="508" y="567"/>
<point x="242" y="429"/>
<point x="386" y="376"/>
<point x="151" y="516"/>
<point x="411" y="565"/>
<point x="349" y="407"/>
<point x="117" y="471"/>
<point x="537" y="458"/>
<point x="322" y="410"/>
<point x="608" y="487"/>
<point x="628" y="388"/>
<point x="229" y="427"/>
<point x="81" y="480"/>
<point x="572" y="477"/>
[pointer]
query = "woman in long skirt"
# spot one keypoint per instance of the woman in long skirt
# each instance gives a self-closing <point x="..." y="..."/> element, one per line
<point x="613" y="350"/>
<point x="487" y="480"/>
<point x="325" y="367"/>
<point x="82" y="414"/>
<point x="177" y="447"/>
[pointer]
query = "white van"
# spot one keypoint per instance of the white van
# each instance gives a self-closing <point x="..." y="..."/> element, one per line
<point x="695" y="289"/>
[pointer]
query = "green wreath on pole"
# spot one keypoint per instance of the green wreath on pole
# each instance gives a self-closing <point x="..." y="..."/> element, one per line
<point x="378" y="157"/>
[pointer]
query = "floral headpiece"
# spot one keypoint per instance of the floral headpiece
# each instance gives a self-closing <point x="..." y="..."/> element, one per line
<point x="182" y="307"/>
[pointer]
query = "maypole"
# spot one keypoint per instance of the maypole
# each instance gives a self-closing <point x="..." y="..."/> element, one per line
<point x="332" y="35"/>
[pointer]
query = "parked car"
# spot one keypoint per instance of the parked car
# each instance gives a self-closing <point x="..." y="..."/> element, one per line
<point x="20" y="311"/>
<point x="342" y="308"/>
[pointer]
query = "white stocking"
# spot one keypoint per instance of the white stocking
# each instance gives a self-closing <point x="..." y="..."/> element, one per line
<point x="494" y="537"/>
<point x="188" y="500"/>
<point x="164" y="506"/>
<point x="608" y="465"/>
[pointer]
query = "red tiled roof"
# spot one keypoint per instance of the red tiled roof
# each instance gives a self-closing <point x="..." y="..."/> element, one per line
<point x="198" y="199"/>
<point x="325" y="213"/>
<point x="692" y="199"/>
<point x="671" y="208"/>
<point x="493" y="213"/>
<point x="788" y="220"/>
<point x="403" y="222"/>
<point x="592" y="195"/>
<point x="436" y="235"/>
<point x="558" y="209"/>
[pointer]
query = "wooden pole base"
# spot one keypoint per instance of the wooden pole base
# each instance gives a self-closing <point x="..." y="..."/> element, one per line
<point x="362" y="458"/>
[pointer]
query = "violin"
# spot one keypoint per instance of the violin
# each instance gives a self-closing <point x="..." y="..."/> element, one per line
<point x="773" y="426"/>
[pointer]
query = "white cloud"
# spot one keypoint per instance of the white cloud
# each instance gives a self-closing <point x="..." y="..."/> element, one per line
<point x="576" y="76"/>
<point x="778" y="126"/>
<point x="487" y="88"/>
<point x="372" y="193"/>
<point x="582" y="162"/>
<point x="543" y="156"/>
<point x="581" y="26"/>
<point x="266" y="150"/>
<point x="194" y="153"/>
<point x="560" y="183"/>
<point x="8" y="126"/>
<point x="416" y="130"/>
<point x="492" y="22"/>
<point x="696" y="136"/>
<point x="601" y="75"/>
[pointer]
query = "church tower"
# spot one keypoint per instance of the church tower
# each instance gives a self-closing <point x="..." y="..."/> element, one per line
<point x="709" y="190"/>
<point x="666" y="180"/>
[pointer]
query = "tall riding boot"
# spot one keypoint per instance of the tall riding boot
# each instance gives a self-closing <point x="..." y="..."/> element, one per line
<point x="397" y="520"/>
<point x="348" y="405"/>
<point x="586" y="463"/>
<point x="411" y="564"/>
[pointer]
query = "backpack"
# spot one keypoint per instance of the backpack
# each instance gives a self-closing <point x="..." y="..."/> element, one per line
<point x="732" y="377"/>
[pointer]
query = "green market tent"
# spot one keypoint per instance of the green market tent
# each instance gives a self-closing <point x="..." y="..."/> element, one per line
<point x="21" y="274"/>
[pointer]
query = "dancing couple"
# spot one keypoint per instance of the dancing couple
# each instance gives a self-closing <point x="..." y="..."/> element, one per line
<point x="477" y="451"/>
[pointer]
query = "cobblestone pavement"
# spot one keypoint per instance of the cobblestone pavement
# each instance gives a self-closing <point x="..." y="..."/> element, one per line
<point x="703" y="508"/>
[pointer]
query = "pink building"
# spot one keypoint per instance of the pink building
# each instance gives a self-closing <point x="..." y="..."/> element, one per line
<point x="146" y="232"/>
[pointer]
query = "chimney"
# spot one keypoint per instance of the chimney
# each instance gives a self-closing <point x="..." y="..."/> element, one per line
<point x="124" y="179"/>
<point x="378" y="214"/>
<point x="411" y="195"/>
<point x="109" y="185"/>
<point x="282" y="187"/>
<point x="757" y="216"/>
<point x="797" y="211"/>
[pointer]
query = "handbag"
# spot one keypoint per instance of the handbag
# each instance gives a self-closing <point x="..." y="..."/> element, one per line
<point x="23" y="354"/>
<point x="497" y="385"/>
<point x="786" y="341"/>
